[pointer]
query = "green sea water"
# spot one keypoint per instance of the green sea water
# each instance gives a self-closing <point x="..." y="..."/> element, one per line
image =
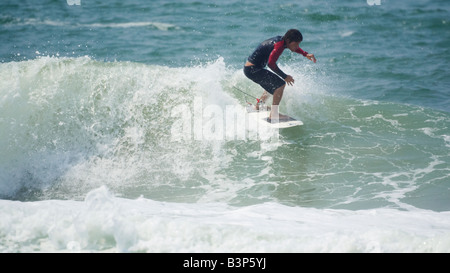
<point x="93" y="95"/>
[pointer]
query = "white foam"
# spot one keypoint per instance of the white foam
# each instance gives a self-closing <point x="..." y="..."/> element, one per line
<point x="393" y="122"/>
<point x="104" y="223"/>
<point x="347" y="33"/>
<point x="157" y="25"/>
<point x="447" y="140"/>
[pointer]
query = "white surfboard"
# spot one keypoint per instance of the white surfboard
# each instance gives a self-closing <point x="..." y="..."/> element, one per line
<point x="262" y="117"/>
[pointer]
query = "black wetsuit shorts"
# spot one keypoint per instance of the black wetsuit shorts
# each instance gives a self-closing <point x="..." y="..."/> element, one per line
<point x="266" y="79"/>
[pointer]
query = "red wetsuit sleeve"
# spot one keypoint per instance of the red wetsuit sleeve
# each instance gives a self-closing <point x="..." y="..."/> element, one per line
<point x="301" y="51"/>
<point x="278" y="48"/>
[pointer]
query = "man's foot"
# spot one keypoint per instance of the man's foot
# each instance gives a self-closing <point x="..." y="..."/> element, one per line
<point x="267" y="108"/>
<point x="262" y="107"/>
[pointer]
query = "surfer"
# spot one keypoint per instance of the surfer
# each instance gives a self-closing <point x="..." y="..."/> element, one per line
<point x="267" y="53"/>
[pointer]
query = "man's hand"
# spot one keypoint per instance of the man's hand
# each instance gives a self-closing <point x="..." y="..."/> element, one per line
<point x="289" y="80"/>
<point x="311" y="57"/>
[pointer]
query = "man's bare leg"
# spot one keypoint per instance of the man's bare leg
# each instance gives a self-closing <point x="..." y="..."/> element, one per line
<point x="277" y="95"/>
<point x="262" y="99"/>
<point x="264" y="96"/>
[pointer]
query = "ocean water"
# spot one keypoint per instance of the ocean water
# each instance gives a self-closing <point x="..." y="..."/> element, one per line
<point x="122" y="128"/>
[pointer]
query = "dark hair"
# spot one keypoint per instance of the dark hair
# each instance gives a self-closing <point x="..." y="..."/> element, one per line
<point x="293" y="35"/>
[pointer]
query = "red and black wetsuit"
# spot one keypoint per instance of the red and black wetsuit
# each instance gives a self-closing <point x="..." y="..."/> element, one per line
<point x="267" y="53"/>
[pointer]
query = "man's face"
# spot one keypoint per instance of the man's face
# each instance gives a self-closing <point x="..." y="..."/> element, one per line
<point x="293" y="46"/>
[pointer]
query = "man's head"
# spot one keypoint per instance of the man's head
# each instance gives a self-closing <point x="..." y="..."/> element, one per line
<point x="293" y="38"/>
<point x="293" y="35"/>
